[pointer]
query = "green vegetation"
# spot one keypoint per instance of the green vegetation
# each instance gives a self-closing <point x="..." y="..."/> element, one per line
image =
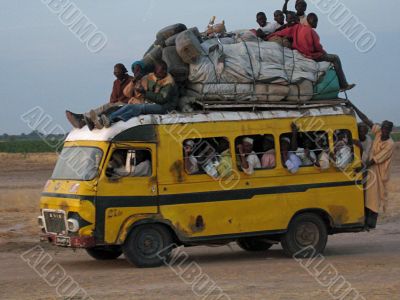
<point x="396" y="136"/>
<point x="34" y="142"/>
<point x="30" y="146"/>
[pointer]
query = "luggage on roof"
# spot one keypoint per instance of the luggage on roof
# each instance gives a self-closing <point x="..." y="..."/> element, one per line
<point x="237" y="66"/>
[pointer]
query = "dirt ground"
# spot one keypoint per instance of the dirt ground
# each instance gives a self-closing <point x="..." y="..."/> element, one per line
<point x="369" y="262"/>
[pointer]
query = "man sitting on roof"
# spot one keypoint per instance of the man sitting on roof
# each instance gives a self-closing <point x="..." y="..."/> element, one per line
<point x="117" y="98"/>
<point x="307" y="42"/>
<point x="158" y="88"/>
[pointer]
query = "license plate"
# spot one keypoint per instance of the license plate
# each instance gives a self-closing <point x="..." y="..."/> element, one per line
<point x="63" y="241"/>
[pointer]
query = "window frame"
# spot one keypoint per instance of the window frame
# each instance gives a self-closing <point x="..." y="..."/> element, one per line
<point x="238" y="162"/>
<point x="127" y="148"/>
<point x="306" y="133"/>
<point x="202" y="173"/>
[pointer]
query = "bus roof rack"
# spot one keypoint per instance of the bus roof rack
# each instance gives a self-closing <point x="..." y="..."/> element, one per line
<point x="267" y="105"/>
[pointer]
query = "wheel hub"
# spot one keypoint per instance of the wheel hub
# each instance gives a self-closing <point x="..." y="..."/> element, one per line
<point x="149" y="243"/>
<point x="307" y="234"/>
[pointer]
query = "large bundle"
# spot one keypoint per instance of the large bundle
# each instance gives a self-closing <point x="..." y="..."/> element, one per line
<point x="168" y="32"/>
<point x="239" y="91"/>
<point x="248" y="62"/>
<point x="176" y="67"/>
<point x="188" y="46"/>
<point x="239" y="67"/>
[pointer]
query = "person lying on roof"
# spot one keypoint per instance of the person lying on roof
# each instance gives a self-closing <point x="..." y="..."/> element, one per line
<point x="160" y="93"/>
<point x="117" y="98"/>
<point x="306" y="40"/>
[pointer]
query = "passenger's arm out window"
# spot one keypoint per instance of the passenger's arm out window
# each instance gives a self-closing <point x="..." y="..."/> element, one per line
<point x="129" y="163"/>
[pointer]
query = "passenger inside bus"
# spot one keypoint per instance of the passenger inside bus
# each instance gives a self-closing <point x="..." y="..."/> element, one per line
<point x="209" y="156"/>
<point x="130" y="163"/>
<point x="343" y="153"/>
<point x="268" y="159"/>
<point x="288" y="150"/>
<point x="224" y="166"/>
<point x="249" y="160"/>
<point x="190" y="161"/>
<point x="323" y="161"/>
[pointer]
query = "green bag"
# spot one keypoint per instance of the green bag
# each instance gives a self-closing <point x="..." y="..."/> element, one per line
<point x="328" y="87"/>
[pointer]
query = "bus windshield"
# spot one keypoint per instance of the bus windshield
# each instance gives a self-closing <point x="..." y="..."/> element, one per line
<point x="78" y="163"/>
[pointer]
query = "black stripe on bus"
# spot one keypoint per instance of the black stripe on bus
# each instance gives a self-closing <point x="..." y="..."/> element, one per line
<point x="104" y="202"/>
<point x="201" y="197"/>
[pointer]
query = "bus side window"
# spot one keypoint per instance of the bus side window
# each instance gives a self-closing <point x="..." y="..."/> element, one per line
<point x="257" y="150"/>
<point x="312" y="149"/>
<point x="343" y="149"/>
<point x="209" y="156"/>
<point x="130" y="163"/>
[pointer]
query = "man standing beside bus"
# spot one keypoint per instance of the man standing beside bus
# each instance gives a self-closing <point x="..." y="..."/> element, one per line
<point x="378" y="166"/>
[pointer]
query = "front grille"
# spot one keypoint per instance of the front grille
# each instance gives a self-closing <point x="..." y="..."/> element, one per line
<point x="55" y="222"/>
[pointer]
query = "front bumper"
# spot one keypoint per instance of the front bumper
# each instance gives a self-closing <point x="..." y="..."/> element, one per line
<point x="69" y="241"/>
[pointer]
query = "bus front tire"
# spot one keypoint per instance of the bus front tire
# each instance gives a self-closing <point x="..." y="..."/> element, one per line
<point x="253" y="244"/>
<point x="105" y="252"/>
<point x="306" y="237"/>
<point x="148" y="246"/>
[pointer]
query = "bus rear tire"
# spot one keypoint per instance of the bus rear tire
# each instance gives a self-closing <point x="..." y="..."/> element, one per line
<point x="105" y="252"/>
<point x="306" y="237"/>
<point x="148" y="246"/>
<point x="253" y="244"/>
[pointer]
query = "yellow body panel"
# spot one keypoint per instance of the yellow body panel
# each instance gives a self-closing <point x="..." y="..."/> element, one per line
<point x="197" y="206"/>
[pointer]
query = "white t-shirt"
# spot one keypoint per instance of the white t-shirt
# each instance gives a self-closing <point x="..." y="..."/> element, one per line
<point x="293" y="163"/>
<point x="324" y="161"/>
<point x="306" y="161"/>
<point x="343" y="157"/>
<point x="143" y="169"/>
<point x="303" y="20"/>
<point x="195" y="165"/>
<point x="271" y="27"/>
<point x="254" y="163"/>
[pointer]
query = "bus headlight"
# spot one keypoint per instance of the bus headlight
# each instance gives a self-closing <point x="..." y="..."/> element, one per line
<point x="73" y="225"/>
<point x="40" y="222"/>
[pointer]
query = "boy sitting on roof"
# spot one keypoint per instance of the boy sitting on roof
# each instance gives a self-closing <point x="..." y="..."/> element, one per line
<point x="159" y="91"/>
<point x="307" y="42"/>
<point x="265" y="27"/>
<point x="301" y="7"/>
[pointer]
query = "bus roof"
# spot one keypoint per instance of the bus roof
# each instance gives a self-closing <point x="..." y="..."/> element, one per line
<point x="109" y="134"/>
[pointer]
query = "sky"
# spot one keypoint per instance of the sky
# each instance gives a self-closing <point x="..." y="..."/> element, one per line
<point x="44" y="66"/>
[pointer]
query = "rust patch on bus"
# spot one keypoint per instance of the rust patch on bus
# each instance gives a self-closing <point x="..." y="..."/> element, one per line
<point x="182" y="231"/>
<point x="196" y="224"/>
<point x="339" y="214"/>
<point x="64" y="206"/>
<point x="177" y="170"/>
